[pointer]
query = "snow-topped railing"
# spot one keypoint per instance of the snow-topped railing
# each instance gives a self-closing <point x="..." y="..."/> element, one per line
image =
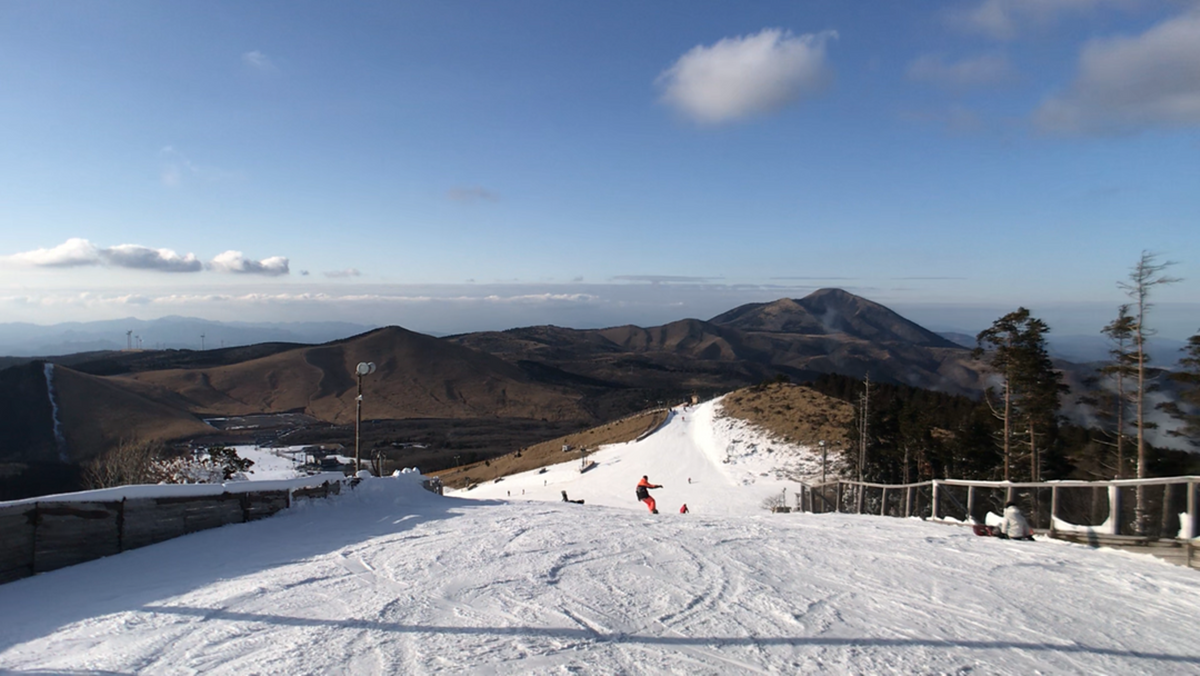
<point x="53" y="531"/>
<point x="1116" y="514"/>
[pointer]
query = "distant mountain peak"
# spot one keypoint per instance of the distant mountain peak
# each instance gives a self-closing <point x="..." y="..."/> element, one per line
<point x="831" y="311"/>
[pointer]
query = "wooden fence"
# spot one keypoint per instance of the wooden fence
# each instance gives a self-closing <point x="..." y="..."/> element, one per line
<point x="40" y="535"/>
<point x="1160" y="516"/>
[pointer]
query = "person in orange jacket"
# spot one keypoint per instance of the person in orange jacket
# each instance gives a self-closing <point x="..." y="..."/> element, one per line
<point x="643" y="494"/>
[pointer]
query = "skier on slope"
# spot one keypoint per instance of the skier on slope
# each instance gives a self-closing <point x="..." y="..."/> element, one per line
<point x="643" y="493"/>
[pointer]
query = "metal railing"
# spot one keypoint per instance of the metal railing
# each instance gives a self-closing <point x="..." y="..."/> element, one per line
<point x="1160" y="508"/>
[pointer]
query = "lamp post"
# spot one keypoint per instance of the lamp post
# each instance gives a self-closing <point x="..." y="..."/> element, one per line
<point x="364" y="368"/>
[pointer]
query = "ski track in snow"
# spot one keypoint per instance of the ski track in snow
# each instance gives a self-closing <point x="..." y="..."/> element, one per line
<point x="388" y="578"/>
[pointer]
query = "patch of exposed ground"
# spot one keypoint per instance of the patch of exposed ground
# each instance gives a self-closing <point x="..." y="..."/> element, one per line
<point x="792" y="413"/>
<point x="550" y="452"/>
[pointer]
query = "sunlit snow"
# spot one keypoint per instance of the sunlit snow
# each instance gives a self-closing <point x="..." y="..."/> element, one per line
<point x="389" y="578"/>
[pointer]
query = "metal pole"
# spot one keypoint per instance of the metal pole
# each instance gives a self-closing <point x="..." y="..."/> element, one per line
<point x="971" y="504"/>
<point x="934" y="507"/>
<point x="357" y="426"/>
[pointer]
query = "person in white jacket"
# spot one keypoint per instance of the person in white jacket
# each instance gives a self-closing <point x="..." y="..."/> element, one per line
<point x="1014" y="526"/>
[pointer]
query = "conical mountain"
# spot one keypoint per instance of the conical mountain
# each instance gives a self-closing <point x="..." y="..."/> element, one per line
<point x="828" y="312"/>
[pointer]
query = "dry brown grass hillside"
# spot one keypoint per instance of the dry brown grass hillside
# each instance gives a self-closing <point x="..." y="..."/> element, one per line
<point x="793" y="413"/>
<point x="97" y="413"/>
<point x="418" y="377"/>
<point x="550" y="452"/>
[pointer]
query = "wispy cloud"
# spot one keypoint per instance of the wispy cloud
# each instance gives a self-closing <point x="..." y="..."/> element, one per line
<point x="77" y="252"/>
<point x="235" y="262"/>
<point x="745" y="76"/>
<point x="177" y="169"/>
<point x="1007" y="19"/>
<point x="258" y="61"/>
<point x="1126" y="84"/>
<point x="663" y="279"/>
<point x="340" y="274"/>
<point x="934" y="69"/>
<point x="471" y="194"/>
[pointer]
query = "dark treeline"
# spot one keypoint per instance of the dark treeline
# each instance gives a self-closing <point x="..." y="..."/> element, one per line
<point x="917" y="435"/>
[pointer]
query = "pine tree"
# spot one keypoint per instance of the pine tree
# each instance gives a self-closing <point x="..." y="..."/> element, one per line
<point x="1143" y="277"/>
<point x="1189" y="377"/>
<point x="1016" y="349"/>
<point x="1119" y="371"/>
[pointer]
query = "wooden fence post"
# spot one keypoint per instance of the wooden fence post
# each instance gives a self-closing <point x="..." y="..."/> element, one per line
<point x="908" y="502"/>
<point x="1192" y="530"/>
<point x="971" y="504"/>
<point x="933" y="512"/>
<point x="1114" y="509"/>
<point x="858" y="507"/>
<point x="883" y="504"/>
<point x="1053" y="508"/>
<point x="839" y="498"/>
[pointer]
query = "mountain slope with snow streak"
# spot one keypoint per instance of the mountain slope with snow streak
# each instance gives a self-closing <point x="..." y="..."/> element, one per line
<point x="388" y="578"/>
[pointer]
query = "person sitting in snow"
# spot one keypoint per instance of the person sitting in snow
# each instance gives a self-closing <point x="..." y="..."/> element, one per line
<point x="643" y="494"/>
<point x="1014" y="526"/>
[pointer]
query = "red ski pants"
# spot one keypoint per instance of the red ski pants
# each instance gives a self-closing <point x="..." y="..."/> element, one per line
<point x="650" y="503"/>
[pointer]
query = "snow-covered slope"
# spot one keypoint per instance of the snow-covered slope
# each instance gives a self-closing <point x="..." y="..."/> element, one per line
<point x="389" y="578"/>
<point x="732" y="467"/>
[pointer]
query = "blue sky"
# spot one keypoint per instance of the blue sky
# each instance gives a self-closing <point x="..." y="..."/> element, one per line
<point x="452" y="166"/>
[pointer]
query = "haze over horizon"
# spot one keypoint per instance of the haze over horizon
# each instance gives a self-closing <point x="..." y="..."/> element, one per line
<point x="461" y="166"/>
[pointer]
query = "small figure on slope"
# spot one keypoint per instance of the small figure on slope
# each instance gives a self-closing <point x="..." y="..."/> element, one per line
<point x="1014" y="526"/>
<point x="683" y="509"/>
<point x="643" y="494"/>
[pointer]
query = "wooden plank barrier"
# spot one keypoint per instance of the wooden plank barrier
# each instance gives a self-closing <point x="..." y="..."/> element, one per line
<point x="36" y="537"/>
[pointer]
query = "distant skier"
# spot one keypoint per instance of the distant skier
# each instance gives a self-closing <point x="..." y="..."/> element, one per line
<point x="684" y="509"/>
<point x="643" y="494"/>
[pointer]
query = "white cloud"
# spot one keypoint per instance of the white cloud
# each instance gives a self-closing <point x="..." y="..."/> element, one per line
<point x="982" y="70"/>
<point x="337" y="274"/>
<point x="1006" y="19"/>
<point x="235" y="262"/>
<point x="77" y="252"/>
<point x="744" y="76"/>
<point x="471" y="194"/>
<point x="258" y="61"/>
<point x="72" y="253"/>
<point x="145" y="258"/>
<point x="1126" y="84"/>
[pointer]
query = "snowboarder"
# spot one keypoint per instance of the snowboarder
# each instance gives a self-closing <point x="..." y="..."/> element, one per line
<point x="683" y="509"/>
<point x="1014" y="526"/>
<point x="643" y="493"/>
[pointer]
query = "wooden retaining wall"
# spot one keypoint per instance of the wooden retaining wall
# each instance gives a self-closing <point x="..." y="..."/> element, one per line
<point x="42" y="536"/>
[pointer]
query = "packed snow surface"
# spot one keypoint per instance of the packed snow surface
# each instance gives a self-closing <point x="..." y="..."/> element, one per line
<point x="389" y="578"/>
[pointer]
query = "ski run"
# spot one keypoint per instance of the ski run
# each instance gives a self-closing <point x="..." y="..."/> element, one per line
<point x="508" y="579"/>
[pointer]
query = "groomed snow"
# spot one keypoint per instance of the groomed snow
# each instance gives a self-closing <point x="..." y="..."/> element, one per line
<point x="389" y="578"/>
